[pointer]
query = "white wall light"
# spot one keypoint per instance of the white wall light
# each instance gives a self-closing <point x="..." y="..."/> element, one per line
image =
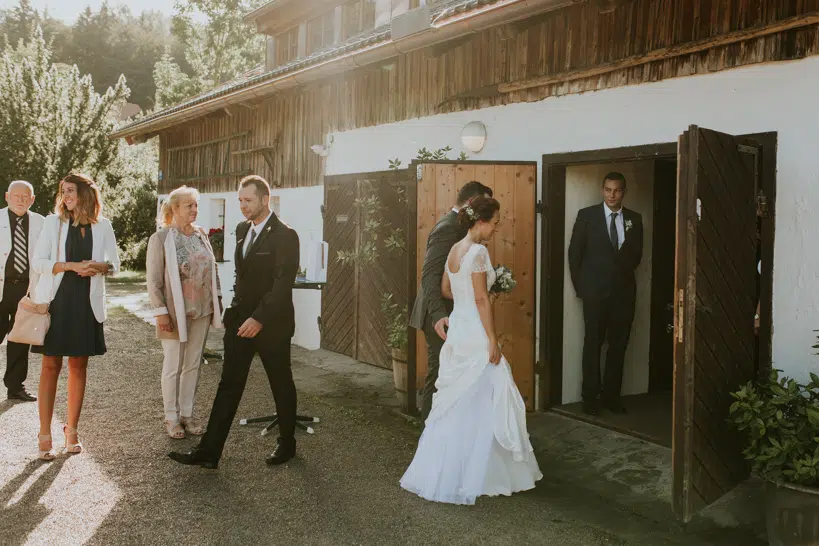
<point x="473" y="136"/>
<point x="319" y="150"/>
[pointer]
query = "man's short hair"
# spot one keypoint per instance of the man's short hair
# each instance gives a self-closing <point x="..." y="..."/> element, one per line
<point x="259" y="184"/>
<point x="472" y="189"/>
<point x="615" y="176"/>
<point x="23" y="183"/>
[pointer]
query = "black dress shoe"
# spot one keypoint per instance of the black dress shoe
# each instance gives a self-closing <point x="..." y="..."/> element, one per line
<point x="285" y="451"/>
<point x="195" y="458"/>
<point x="22" y="395"/>
<point x="615" y="406"/>
<point x="591" y="407"/>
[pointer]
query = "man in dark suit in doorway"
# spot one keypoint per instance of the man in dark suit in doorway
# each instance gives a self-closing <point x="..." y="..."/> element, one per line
<point x="605" y="249"/>
<point x="431" y="311"/>
<point x="260" y="320"/>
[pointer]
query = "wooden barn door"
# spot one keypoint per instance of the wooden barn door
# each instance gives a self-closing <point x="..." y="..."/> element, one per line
<point x="339" y="324"/>
<point x="715" y="300"/>
<point x="365" y="215"/>
<point x="513" y="245"/>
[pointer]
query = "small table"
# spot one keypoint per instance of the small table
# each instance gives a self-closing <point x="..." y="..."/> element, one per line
<point x="273" y="420"/>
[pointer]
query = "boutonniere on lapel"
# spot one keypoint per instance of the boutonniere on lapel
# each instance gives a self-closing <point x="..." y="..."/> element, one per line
<point x="628" y="225"/>
<point x="269" y="228"/>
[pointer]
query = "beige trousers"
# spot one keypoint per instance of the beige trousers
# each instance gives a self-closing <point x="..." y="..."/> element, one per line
<point x="180" y="370"/>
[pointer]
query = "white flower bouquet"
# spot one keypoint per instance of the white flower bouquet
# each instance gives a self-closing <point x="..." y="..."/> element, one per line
<point x="504" y="280"/>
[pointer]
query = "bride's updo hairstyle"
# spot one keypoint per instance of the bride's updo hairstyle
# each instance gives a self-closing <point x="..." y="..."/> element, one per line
<point x="478" y="209"/>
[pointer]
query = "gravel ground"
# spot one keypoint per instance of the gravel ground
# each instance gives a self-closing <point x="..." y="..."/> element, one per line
<point x="341" y="489"/>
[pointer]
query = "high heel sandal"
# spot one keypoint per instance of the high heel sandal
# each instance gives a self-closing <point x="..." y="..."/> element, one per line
<point x="45" y="454"/>
<point x="70" y="448"/>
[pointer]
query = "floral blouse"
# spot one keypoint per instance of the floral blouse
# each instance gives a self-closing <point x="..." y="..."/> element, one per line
<point x="195" y="271"/>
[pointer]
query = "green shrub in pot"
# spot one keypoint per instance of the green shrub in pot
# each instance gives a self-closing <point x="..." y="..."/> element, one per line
<point x="780" y="420"/>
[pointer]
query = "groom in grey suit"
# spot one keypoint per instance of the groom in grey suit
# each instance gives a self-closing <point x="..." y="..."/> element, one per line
<point x="431" y="311"/>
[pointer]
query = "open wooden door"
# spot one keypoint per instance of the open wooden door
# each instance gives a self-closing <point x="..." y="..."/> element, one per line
<point x="715" y="300"/>
<point x="513" y="185"/>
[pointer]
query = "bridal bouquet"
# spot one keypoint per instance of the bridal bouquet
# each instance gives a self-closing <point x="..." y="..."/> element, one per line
<point x="504" y="281"/>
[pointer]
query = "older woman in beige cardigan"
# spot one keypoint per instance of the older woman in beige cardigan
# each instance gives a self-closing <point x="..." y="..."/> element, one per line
<point x="184" y="293"/>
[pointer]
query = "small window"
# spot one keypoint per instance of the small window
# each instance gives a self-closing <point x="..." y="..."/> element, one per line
<point x="320" y="32"/>
<point x="358" y="16"/>
<point x="219" y="211"/>
<point x="287" y="46"/>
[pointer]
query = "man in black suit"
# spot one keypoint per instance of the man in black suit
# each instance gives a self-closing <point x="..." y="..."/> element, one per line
<point x="260" y="321"/>
<point x="431" y="311"/>
<point x="605" y="249"/>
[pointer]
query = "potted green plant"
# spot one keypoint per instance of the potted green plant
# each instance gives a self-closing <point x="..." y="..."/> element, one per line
<point x="780" y="420"/>
<point x="396" y="321"/>
<point x="217" y="242"/>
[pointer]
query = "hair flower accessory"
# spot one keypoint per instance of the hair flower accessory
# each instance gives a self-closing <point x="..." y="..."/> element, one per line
<point x="471" y="213"/>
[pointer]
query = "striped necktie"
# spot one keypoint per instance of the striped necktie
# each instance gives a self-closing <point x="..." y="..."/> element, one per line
<point x="20" y="249"/>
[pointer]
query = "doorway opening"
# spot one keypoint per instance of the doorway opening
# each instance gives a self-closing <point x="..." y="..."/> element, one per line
<point x="573" y="181"/>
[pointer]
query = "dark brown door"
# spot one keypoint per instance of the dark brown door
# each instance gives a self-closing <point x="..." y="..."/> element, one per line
<point x="715" y="300"/>
<point x="661" y="360"/>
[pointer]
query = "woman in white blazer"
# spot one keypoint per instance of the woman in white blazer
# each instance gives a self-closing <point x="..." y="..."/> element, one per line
<point x="183" y="289"/>
<point x="76" y="249"/>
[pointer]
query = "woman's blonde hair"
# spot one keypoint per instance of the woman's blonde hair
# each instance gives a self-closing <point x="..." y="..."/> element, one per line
<point x="165" y="218"/>
<point x="89" y="201"/>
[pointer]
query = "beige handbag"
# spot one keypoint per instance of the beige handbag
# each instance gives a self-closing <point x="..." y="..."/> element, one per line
<point x="30" y="323"/>
<point x="32" y="320"/>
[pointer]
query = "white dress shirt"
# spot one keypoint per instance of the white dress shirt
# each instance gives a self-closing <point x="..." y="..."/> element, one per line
<point x="257" y="229"/>
<point x="618" y="222"/>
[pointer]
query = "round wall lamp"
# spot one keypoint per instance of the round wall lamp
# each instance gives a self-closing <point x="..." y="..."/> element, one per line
<point x="473" y="136"/>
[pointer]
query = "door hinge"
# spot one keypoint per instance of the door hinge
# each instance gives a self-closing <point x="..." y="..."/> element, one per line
<point x="539" y="207"/>
<point x="744" y="148"/>
<point x="762" y="205"/>
<point x="680" y="314"/>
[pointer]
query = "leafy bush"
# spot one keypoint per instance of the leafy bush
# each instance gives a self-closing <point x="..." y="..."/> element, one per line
<point x="780" y="419"/>
<point x="396" y="319"/>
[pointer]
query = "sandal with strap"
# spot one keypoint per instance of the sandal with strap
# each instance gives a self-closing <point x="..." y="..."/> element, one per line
<point x="175" y="430"/>
<point x="192" y="426"/>
<point x="45" y="454"/>
<point x="72" y="448"/>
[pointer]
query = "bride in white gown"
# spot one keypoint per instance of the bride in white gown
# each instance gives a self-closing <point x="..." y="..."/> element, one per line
<point x="475" y="440"/>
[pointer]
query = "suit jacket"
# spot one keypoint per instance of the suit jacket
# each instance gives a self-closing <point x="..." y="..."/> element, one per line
<point x="35" y="226"/>
<point x="264" y="281"/>
<point x="596" y="268"/>
<point x="50" y="250"/>
<point x="430" y="303"/>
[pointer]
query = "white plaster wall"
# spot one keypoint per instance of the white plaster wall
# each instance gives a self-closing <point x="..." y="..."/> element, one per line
<point x="771" y="97"/>
<point x="301" y="209"/>
<point x="582" y="190"/>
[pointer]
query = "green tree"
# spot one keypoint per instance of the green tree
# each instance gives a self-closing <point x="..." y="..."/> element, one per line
<point x="218" y="47"/>
<point x="130" y="189"/>
<point x="52" y="121"/>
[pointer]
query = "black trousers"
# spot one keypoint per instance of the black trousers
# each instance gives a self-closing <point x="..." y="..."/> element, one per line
<point x="239" y="353"/>
<point x="434" y="346"/>
<point x="606" y="318"/>
<point x="17" y="354"/>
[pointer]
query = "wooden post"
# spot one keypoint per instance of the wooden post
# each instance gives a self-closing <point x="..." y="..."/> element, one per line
<point x="412" y="284"/>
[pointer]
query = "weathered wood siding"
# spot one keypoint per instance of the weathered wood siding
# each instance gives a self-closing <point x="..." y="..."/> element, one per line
<point x="466" y="75"/>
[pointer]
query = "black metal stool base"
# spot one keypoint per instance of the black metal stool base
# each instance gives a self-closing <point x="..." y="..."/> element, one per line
<point x="274" y="420"/>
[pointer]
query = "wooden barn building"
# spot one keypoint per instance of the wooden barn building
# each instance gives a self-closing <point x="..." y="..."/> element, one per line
<point x="707" y="107"/>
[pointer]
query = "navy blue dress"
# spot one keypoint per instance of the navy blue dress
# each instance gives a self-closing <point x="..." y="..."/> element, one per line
<point x="74" y="329"/>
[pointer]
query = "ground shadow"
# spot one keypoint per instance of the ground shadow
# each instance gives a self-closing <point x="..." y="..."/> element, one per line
<point x="24" y="516"/>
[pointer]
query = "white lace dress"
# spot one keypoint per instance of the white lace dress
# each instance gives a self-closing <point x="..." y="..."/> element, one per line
<point x="475" y="441"/>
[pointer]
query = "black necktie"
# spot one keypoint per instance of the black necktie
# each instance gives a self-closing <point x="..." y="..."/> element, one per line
<point x="615" y="240"/>
<point x="250" y="242"/>
<point x="20" y="250"/>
